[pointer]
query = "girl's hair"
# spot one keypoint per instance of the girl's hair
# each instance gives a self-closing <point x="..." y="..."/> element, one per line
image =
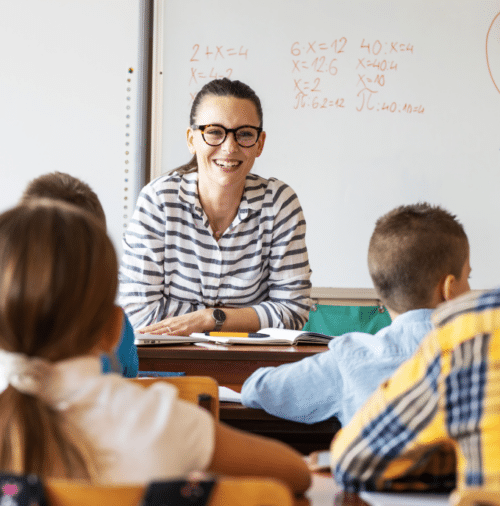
<point x="219" y="88"/>
<point x="58" y="283"/>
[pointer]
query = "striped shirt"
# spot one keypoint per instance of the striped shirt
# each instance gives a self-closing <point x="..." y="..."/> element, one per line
<point x="439" y="414"/>
<point x="172" y="264"/>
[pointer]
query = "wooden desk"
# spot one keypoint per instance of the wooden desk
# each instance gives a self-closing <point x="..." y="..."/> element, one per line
<point x="229" y="365"/>
<point x="305" y="438"/>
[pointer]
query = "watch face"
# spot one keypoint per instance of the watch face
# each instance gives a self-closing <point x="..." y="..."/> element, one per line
<point x="219" y="315"/>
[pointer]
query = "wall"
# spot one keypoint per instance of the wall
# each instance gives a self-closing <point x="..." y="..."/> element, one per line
<point x="72" y="98"/>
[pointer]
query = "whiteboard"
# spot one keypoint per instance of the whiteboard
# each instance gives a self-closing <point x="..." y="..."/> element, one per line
<point x="367" y="105"/>
<point x="71" y="98"/>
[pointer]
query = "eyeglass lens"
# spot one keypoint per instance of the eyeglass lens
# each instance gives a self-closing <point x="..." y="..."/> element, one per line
<point x="245" y="136"/>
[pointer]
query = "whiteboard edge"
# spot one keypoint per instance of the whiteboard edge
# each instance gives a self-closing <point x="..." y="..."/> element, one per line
<point x="157" y="92"/>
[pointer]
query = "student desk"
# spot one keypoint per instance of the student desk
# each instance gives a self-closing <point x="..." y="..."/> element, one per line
<point x="305" y="438"/>
<point x="231" y="366"/>
<point x="325" y="492"/>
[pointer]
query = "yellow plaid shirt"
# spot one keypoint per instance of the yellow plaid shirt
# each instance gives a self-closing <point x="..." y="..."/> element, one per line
<point x="438" y="417"/>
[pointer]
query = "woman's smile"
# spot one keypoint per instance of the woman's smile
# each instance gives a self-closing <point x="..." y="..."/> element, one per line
<point x="227" y="165"/>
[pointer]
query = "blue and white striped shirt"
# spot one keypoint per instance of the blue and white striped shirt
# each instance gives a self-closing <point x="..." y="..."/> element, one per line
<point x="172" y="264"/>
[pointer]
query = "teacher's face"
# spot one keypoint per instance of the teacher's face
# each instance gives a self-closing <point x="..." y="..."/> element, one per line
<point x="229" y="163"/>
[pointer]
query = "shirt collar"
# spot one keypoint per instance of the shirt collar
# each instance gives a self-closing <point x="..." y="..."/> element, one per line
<point x="414" y="315"/>
<point x="188" y="194"/>
<point x="468" y="302"/>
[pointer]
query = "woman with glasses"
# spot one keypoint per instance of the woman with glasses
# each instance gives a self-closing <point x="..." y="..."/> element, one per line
<point x="211" y="246"/>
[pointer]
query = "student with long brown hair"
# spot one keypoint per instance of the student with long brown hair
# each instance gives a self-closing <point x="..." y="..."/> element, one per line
<point x="59" y="415"/>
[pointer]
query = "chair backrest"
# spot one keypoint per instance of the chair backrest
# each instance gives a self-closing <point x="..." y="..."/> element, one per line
<point x="475" y="496"/>
<point x="227" y="491"/>
<point x="201" y="390"/>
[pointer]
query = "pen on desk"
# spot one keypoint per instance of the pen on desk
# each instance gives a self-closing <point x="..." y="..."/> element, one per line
<point x="236" y="334"/>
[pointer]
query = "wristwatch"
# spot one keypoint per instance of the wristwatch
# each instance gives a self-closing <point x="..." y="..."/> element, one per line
<point x="219" y="317"/>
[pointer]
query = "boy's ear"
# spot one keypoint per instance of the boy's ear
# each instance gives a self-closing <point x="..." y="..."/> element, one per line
<point x="448" y="289"/>
<point x="112" y="331"/>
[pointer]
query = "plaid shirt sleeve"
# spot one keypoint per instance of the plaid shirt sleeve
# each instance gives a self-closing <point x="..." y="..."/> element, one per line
<point x="437" y="415"/>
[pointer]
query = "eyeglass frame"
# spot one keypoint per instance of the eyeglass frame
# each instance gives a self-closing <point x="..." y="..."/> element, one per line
<point x="201" y="128"/>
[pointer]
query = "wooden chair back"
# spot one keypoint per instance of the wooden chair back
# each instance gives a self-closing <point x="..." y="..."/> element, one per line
<point x="227" y="491"/>
<point x="201" y="390"/>
<point x="475" y="496"/>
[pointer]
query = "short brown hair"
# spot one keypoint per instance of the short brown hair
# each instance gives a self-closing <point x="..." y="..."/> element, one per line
<point x="62" y="186"/>
<point x="411" y="249"/>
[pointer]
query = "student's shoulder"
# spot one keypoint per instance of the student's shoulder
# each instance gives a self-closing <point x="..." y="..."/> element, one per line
<point x="349" y="341"/>
<point x="361" y="344"/>
<point x="125" y="394"/>
<point x="472" y="302"/>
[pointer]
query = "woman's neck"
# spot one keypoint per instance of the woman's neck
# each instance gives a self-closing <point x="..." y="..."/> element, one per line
<point x="220" y="205"/>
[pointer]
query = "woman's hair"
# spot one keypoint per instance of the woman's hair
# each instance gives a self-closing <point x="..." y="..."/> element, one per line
<point x="62" y="186"/>
<point x="411" y="249"/>
<point x="219" y="88"/>
<point x="58" y="281"/>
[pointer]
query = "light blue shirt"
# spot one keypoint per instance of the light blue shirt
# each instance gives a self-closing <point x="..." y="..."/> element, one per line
<point x="337" y="382"/>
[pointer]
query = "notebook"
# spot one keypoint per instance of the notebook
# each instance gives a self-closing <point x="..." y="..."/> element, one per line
<point x="281" y="337"/>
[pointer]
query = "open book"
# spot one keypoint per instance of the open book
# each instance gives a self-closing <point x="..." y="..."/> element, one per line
<point x="283" y="337"/>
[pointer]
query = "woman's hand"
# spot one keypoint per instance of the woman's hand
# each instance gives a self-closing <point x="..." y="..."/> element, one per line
<point x="184" y="325"/>
<point x="243" y="319"/>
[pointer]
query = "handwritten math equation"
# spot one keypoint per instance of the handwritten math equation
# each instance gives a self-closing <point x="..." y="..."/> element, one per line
<point x="320" y="70"/>
<point x="213" y="62"/>
<point x="318" y="67"/>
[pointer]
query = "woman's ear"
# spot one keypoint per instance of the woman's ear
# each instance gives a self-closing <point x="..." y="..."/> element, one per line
<point x="112" y="331"/>
<point x="260" y="143"/>
<point x="190" y="141"/>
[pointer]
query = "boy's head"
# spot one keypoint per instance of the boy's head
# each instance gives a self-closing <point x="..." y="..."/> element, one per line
<point x="61" y="186"/>
<point x="414" y="251"/>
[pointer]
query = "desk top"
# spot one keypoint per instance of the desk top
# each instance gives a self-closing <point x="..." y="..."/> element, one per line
<point x="210" y="351"/>
<point x="229" y="365"/>
<point x="325" y="492"/>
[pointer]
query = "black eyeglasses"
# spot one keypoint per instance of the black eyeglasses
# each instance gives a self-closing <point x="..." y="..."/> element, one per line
<point x="214" y="135"/>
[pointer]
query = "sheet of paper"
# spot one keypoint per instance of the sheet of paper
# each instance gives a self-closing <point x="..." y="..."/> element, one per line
<point x="394" y="499"/>
<point x="228" y="395"/>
